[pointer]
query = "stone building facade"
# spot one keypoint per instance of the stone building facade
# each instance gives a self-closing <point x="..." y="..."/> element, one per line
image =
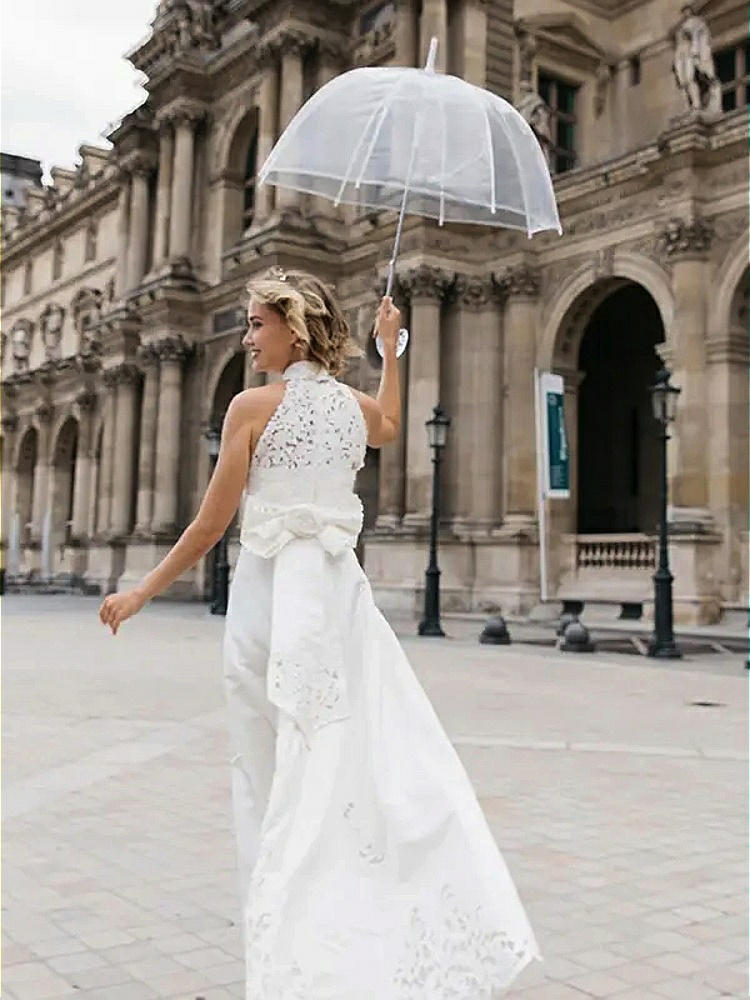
<point x="123" y="301"/>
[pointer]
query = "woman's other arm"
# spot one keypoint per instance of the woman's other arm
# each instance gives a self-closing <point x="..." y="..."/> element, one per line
<point x="217" y="508"/>
<point x="383" y="414"/>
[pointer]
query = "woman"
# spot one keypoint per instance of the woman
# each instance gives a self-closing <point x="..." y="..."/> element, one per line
<point x="367" y="869"/>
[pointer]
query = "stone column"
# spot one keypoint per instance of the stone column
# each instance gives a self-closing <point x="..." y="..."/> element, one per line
<point x="40" y="496"/>
<point x="727" y="359"/>
<point x="123" y="227"/>
<point x="434" y="21"/>
<point x="407" y="33"/>
<point x="172" y="353"/>
<point x="478" y="423"/>
<point x="7" y="479"/>
<point x="127" y="377"/>
<point x="292" y="95"/>
<point x="521" y="285"/>
<point x="472" y="35"/>
<point x="163" y="194"/>
<point x="86" y="400"/>
<point x="425" y="287"/>
<point x="181" y="207"/>
<point x="267" y="124"/>
<point x="106" y="462"/>
<point x="149" y="361"/>
<point x="138" y="238"/>
<point x="687" y="244"/>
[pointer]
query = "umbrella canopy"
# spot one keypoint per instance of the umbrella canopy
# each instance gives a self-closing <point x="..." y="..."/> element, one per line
<point x="420" y="141"/>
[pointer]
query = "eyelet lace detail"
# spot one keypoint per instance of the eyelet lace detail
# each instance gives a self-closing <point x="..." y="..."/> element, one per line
<point x="455" y="953"/>
<point x="311" y="690"/>
<point x="317" y="423"/>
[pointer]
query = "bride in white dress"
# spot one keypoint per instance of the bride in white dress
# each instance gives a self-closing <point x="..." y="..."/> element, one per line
<point x="367" y="870"/>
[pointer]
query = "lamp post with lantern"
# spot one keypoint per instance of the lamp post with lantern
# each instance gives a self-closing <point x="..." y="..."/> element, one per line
<point x="220" y="588"/>
<point x="662" y="644"/>
<point x="437" y="435"/>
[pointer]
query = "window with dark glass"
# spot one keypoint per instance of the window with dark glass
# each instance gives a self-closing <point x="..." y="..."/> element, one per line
<point x="732" y="66"/>
<point x="561" y="100"/>
<point x="248" y="202"/>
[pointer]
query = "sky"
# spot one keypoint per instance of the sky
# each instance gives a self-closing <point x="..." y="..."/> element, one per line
<point x="64" y="78"/>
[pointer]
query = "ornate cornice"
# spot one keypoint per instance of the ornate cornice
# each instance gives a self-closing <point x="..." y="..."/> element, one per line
<point x="181" y="110"/>
<point x="686" y="238"/>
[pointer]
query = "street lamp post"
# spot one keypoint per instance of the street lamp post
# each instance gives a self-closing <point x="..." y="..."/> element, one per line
<point x="220" y="589"/>
<point x="662" y="645"/>
<point x="437" y="433"/>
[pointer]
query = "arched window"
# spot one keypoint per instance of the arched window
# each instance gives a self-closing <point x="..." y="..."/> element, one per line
<point x="251" y="166"/>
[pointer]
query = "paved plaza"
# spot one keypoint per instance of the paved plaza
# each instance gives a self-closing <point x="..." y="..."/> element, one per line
<point x="615" y="786"/>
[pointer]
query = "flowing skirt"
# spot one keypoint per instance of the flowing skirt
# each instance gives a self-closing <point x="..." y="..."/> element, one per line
<point x="367" y="870"/>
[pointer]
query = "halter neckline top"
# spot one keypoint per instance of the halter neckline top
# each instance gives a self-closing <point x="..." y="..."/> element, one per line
<point x="306" y="369"/>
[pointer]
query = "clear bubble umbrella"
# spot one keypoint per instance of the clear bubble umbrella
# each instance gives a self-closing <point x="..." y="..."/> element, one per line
<point x="420" y="142"/>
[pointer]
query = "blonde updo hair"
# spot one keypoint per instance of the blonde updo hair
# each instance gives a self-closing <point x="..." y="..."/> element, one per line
<point x="310" y="310"/>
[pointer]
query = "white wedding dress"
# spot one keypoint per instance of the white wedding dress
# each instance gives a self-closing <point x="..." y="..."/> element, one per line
<point x="367" y="868"/>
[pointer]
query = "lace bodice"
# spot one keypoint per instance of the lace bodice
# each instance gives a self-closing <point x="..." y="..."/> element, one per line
<point x="301" y="477"/>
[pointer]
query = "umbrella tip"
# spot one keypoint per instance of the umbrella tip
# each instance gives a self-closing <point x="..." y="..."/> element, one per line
<point x="432" y="55"/>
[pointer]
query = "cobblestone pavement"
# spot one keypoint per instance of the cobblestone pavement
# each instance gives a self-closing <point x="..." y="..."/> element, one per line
<point x="619" y="805"/>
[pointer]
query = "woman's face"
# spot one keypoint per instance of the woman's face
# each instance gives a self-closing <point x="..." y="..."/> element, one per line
<point x="268" y="338"/>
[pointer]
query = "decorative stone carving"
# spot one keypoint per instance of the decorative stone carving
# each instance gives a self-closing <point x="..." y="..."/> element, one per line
<point x="126" y="374"/>
<point x="9" y="423"/>
<point x="523" y="281"/>
<point x="682" y="237"/>
<point x="602" y="81"/>
<point x="424" y="282"/>
<point x="20" y="339"/>
<point x="526" y="52"/>
<point x="172" y="349"/>
<point x="147" y="355"/>
<point x="109" y="377"/>
<point x="86" y="308"/>
<point x="693" y="64"/>
<point x="378" y="35"/>
<point x="476" y="293"/>
<point x="50" y="324"/>
<point x="44" y="412"/>
<point x="537" y="113"/>
<point x="86" y="400"/>
<point x="604" y="262"/>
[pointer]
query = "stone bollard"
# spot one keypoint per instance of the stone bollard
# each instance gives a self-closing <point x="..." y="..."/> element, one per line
<point x="576" y="638"/>
<point x="565" y="619"/>
<point x="495" y="632"/>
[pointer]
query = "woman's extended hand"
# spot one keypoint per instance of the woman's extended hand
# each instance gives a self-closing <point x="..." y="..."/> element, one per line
<point x="116" y="608"/>
<point x="387" y="324"/>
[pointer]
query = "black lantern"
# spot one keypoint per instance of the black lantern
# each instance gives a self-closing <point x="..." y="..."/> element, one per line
<point x="662" y="644"/>
<point x="437" y="435"/>
<point x="220" y="590"/>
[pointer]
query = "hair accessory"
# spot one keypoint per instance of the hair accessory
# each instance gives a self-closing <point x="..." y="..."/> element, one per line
<point x="277" y="273"/>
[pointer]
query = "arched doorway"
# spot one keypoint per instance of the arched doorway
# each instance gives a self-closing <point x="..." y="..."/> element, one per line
<point x="25" y="472"/>
<point x="63" y="480"/>
<point x="618" y="457"/>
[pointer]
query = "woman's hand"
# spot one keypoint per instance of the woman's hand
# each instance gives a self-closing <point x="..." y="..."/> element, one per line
<point x="387" y="324"/>
<point x="116" y="608"/>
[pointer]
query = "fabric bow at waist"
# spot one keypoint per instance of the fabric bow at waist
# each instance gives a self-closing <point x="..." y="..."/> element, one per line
<point x="267" y="525"/>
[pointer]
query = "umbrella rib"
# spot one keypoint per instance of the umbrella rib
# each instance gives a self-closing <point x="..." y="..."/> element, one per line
<point x="360" y="141"/>
<point x="520" y="176"/>
<point x="488" y="131"/>
<point x="384" y="111"/>
<point x="441" y="219"/>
